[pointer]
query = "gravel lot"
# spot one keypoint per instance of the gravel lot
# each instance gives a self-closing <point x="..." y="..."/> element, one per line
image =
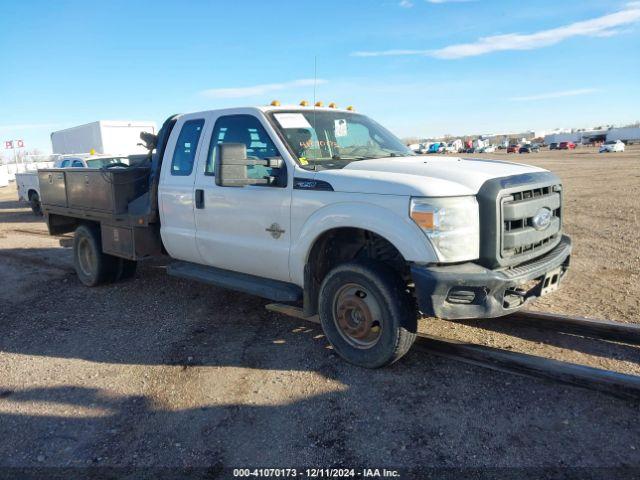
<point x="161" y="372"/>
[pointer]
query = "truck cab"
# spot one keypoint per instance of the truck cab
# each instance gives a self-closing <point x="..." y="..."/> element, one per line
<point x="326" y="208"/>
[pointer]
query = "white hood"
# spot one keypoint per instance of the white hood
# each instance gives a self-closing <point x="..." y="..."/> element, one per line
<point x="420" y="175"/>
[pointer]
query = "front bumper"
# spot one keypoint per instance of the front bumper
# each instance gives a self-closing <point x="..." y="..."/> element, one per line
<point x="471" y="291"/>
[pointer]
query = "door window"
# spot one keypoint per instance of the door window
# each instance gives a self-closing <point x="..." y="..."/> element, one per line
<point x="245" y="129"/>
<point x="185" y="151"/>
<point x="77" y="163"/>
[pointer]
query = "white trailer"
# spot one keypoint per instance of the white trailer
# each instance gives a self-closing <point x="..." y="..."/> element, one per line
<point x="575" y="137"/>
<point x="626" y="135"/>
<point x="102" y="137"/>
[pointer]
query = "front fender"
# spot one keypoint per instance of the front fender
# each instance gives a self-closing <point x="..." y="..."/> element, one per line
<point x="401" y="232"/>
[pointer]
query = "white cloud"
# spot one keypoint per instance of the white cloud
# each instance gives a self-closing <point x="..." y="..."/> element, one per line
<point x="257" y="90"/>
<point x="406" y="4"/>
<point x="545" y="96"/>
<point x="604" y="26"/>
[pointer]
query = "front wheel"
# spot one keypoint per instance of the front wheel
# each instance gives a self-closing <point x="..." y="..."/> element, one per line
<point x="367" y="314"/>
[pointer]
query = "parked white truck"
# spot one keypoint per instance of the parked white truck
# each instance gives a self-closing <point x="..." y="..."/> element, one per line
<point x="326" y="208"/>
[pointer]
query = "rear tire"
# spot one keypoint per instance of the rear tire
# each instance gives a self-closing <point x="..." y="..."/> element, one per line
<point x="93" y="267"/>
<point x="366" y="313"/>
<point x="34" y="201"/>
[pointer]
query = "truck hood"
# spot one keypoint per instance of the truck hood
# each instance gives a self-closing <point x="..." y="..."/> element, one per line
<point x="420" y="176"/>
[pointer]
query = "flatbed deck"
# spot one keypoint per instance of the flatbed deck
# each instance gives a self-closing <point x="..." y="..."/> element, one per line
<point x="116" y="198"/>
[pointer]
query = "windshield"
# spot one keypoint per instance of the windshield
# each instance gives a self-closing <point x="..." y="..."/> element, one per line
<point x="103" y="162"/>
<point x="321" y="139"/>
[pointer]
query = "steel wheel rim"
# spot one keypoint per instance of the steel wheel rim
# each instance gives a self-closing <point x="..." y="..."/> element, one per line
<point x="357" y="316"/>
<point x="85" y="257"/>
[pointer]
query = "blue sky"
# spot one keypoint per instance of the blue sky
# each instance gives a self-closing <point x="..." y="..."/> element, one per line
<point x="420" y="67"/>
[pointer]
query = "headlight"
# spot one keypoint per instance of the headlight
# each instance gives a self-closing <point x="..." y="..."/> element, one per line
<point x="452" y="224"/>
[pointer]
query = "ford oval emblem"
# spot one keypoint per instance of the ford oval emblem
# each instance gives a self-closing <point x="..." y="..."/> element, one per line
<point x="542" y="219"/>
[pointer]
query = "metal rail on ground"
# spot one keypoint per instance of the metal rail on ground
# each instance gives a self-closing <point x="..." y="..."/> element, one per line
<point x="614" y="383"/>
<point x="588" y="327"/>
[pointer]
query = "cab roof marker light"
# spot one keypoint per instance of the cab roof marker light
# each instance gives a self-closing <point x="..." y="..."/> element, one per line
<point x="332" y="105"/>
<point x="275" y="103"/>
<point x="351" y="109"/>
<point x="319" y="104"/>
<point x="304" y="103"/>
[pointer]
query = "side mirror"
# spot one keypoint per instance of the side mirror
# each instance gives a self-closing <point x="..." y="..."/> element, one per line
<point x="231" y="164"/>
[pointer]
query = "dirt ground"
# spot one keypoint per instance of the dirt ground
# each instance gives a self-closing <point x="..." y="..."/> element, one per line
<point x="158" y="371"/>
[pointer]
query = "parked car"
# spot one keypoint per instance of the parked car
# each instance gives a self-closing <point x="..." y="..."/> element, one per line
<point x="244" y="198"/>
<point x="418" y="148"/>
<point x="513" y="148"/>
<point x="450" y="148"/>
<point x="612" y="146"/>
<point x="436" y="147"/>
<point x="566" y="146"/>
<point x="554" y="146"/>
<point x="470" y="150"/>
<point x="487" y="149"/>
<point x="529" y="149"/>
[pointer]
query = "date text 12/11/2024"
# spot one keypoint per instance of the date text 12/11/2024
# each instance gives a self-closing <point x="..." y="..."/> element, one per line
<point x="315" y="473"/>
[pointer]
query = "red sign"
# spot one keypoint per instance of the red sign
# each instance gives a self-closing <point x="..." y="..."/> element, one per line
<point x="20" y="143"/>
<point x="8" y="144"/>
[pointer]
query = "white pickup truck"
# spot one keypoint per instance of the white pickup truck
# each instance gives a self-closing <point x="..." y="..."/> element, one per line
<point x="324" y="208"/>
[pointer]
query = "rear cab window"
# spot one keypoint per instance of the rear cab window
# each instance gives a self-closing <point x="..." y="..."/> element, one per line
<point x="184" y="153"/>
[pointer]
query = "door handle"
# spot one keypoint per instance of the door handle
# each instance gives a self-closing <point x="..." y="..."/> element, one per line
<point x="199" y="198"/>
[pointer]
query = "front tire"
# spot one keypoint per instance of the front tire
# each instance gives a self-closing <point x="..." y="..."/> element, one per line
<point x="93" y="267"/>
<point x="366" y="313"/>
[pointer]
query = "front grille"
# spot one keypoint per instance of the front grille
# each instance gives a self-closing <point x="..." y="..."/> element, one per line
<point x="519" y="234"/>
<point x="507" y="207"/>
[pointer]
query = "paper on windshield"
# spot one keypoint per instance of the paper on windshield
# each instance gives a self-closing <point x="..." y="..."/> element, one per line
<point x="340" y="128"/>
<point x="292" y="120"/>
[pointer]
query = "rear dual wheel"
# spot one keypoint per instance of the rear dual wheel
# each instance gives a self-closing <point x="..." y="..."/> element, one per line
<point x="92" y="265"/>
<point x="367" y="314"/>
<point x="125" y="269"/>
